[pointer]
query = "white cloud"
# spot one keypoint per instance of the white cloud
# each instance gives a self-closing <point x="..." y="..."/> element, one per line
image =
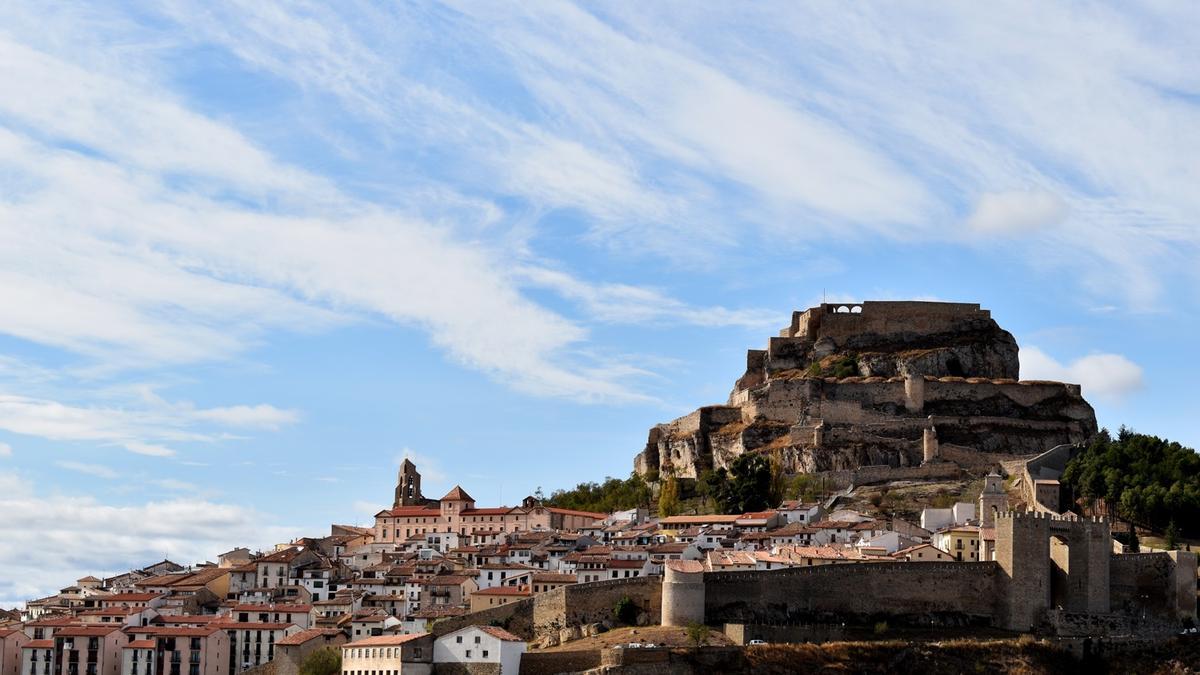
<point x="97" y="470"/>
<point x="623" y="303"/>
<point x="5" y="450"/>
<point x="1109" y="377"/>
<point x="149" y="449"/>
<point x="50" y="541"/>
<point x="177" y="290"/>
<point x="261" y="416"/>
<point x="1017" y="212"/>
<point x="174" y="484"/>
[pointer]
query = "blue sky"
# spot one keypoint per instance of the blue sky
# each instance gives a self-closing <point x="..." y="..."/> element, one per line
<point x="253" y="254"/>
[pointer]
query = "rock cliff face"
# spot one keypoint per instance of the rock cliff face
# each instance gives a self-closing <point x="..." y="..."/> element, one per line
<point x="877" y="383"/>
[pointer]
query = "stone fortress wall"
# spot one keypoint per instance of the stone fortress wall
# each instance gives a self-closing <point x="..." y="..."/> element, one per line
<point x="1050" y="573"/>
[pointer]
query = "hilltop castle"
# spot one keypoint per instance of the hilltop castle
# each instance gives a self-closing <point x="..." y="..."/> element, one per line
<point x="877" y="384"/>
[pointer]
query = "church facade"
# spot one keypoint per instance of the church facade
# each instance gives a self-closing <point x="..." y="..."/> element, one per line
<point x="411" y="514"/>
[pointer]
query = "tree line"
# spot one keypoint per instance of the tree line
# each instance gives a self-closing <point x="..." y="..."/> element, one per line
<point x="1144" y="479"/>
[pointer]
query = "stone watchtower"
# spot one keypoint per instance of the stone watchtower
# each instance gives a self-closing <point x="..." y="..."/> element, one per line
<point x="992" y="500"/>
<point x="408" y="486"/>
<point x="683" y="593"/>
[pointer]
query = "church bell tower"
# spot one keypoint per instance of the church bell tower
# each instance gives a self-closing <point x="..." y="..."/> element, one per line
<point x="408" y="486"/>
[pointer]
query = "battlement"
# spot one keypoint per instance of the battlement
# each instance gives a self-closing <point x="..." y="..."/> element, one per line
<point x="872" y="314"/>
<point x="1041" y="515"/>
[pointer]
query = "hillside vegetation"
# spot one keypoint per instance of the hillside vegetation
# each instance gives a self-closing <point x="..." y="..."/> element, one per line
<point x="1145" y="479"/>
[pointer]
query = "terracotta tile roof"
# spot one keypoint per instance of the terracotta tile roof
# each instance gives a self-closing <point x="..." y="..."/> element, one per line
<point x="85" y="631"/>
<point x="434" y="612"/>
<point x="111" y="611"/>
<point x="446" y="580"/>
<point x="38" y="644"/>
<point x="457" y="494"/>
<point x="384" y="640"/>
<point x="413" y="512"/>
<point x="175" y="631"/>
<point x="286" y="555"/>
<point x="282" y="609"/>
<point x="306" y="635"/>
<point x="129" y="597"/>
<point x="685" y="566"/>
<point x="492" y="511"/>
<point x="905" y="551"/>
<point x="622" y="564"/>
<point x="554" y="578"/>
<point x="141" y="644"/>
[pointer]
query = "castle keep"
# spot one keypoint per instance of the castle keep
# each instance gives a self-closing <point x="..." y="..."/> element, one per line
<point x="896" y="384"/>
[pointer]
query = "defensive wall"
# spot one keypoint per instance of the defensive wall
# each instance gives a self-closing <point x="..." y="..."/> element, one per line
<point x="555" y="662"/>
<point x="854" y="318"/>
<point x="1154" y="584"/>
<point x="948" y="592"/>
<point x="868" y="475"/>
<point x="875" y="399"/>
<point x="563" y="608"/>
<point x="1050" y="573"/>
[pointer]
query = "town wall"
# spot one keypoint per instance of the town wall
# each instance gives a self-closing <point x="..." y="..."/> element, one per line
<point x="1076" y="578"/>
<point x="574" y="605"/>
<point x="553" y="663"/>
<point x="1161" y="585"/>
<point x="956" y="591"/>
<point x="741" y="633"/>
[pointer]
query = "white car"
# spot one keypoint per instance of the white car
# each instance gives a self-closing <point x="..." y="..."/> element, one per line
<point x="757" y="642"/>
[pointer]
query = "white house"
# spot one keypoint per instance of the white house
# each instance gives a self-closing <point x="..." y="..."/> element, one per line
<point x="937" y="519"/>
<point x="481" y="644"/>
<point x="800" y="512"/>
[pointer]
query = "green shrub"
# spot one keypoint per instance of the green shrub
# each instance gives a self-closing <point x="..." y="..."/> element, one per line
<point x="625" y="611"/>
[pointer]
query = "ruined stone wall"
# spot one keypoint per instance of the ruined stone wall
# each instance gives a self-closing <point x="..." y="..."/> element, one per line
<point x="965" y="591"/>
<point x="884" y="317"/>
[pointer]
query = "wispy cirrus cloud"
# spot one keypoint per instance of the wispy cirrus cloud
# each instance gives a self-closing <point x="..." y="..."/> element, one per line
<point x="96" y="470"/>
<point x="144" y="430"/>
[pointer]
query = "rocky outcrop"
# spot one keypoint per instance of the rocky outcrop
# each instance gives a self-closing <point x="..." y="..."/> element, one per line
<point x="846" y="386"/>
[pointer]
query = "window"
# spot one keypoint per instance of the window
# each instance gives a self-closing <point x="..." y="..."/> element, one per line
<point x="458" y="639"/>
<point x="468" y="653"/>
<point x="476" y="639"/>
<point x="485" y="653"/>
